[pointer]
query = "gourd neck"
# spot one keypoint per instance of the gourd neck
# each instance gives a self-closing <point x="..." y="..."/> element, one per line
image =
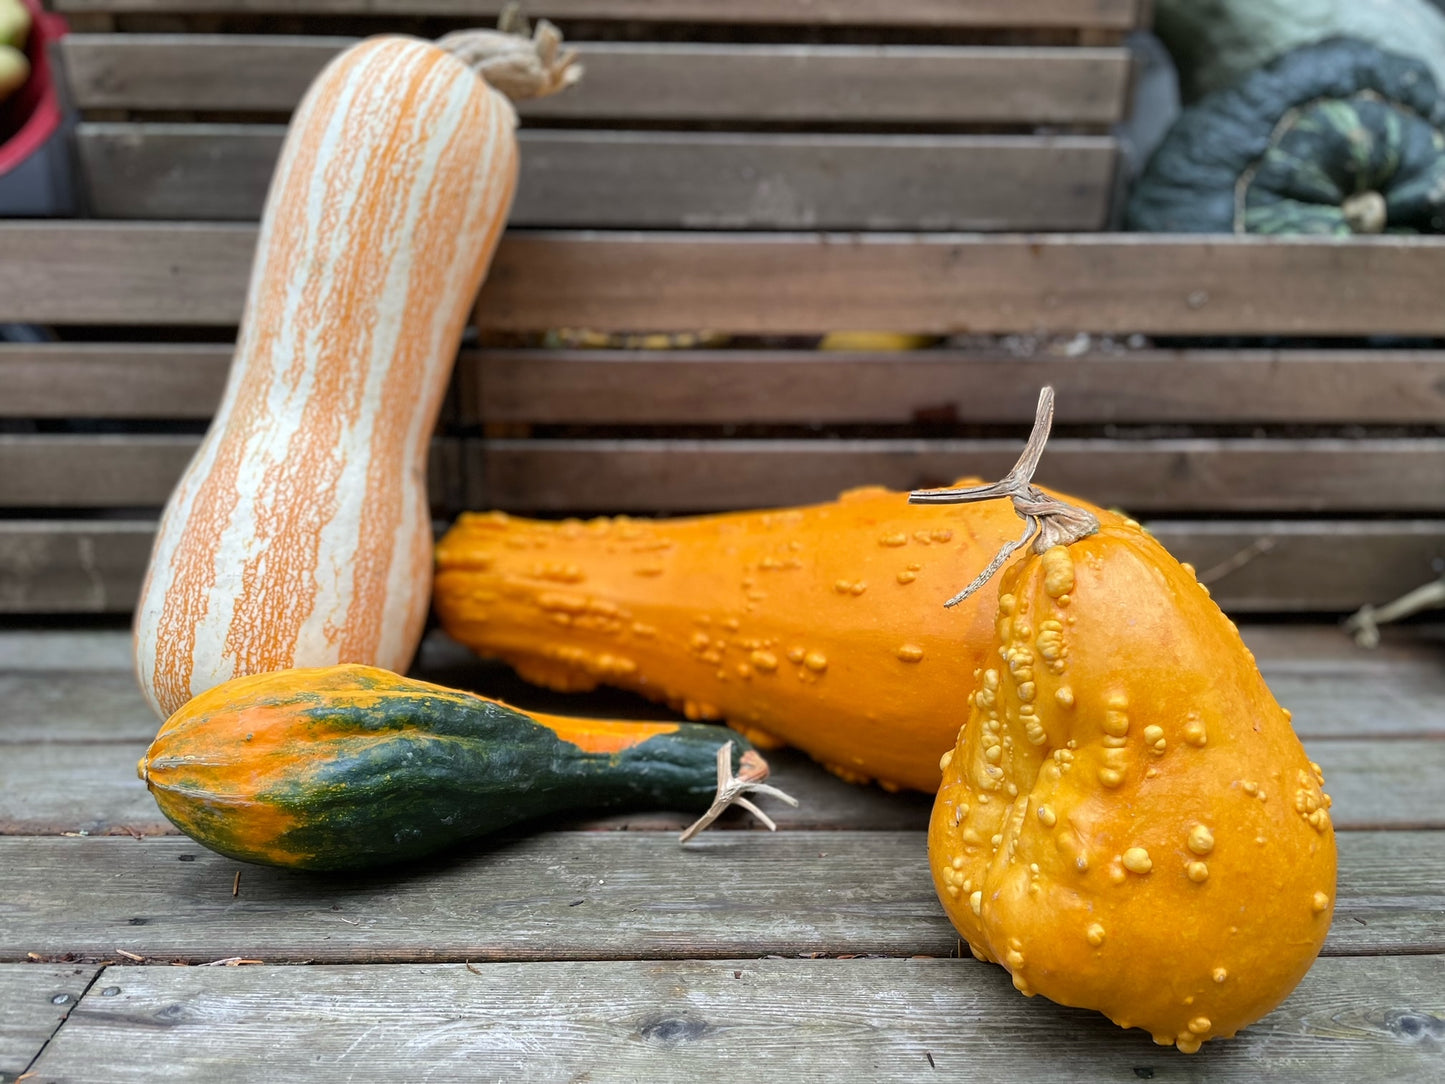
<point x="515" y="60"/>
<point x="1048" y="521"/>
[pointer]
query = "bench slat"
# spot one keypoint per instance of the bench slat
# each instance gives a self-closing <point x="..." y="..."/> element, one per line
<point x="658" y="180"/>
<point x="811" y="1021"/>
<point x="1263" y="476"/>
<point x="698" y="387"/>
<point x="1265" y="566"/>
<point x="1093" y="14"/>
<point x="195" y="274"/>
<point x="86" y="691"/>
<point x="733" y="893"/>
<point x="645" y="81"/>
<point x="702" y="387"/>
<point x="133" y="470"/>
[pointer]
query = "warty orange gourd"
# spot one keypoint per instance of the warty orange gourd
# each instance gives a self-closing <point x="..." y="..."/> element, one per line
<point x="1127" y="821"/>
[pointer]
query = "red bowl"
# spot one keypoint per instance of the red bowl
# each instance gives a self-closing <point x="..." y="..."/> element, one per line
<point x="31" y="115"/>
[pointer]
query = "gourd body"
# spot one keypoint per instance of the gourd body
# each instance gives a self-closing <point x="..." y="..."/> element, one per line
<point x="1335" y="138"/>
<point x="820" y="627"/>
<point x="351" y="766"/>
<point x="1128" y="822"/>
<point x="1217" y="43"/>
<point x="299" y="535"/>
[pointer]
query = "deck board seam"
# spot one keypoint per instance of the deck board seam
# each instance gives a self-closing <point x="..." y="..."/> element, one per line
<point x="64" y="1019"/>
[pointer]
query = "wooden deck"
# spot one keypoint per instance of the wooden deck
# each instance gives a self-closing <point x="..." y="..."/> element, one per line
<point x="1270" y="408"/>
<point x="606" y="951"/>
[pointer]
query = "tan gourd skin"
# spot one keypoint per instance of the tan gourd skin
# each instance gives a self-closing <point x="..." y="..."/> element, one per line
<point x="819" y="627"/>
<point x="1146" y="836"/>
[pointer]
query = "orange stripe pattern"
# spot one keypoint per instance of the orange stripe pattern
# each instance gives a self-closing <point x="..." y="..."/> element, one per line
<point x="299" y="535"/>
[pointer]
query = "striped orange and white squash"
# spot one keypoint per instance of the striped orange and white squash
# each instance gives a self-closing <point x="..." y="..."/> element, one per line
<point x="299" y="534"/>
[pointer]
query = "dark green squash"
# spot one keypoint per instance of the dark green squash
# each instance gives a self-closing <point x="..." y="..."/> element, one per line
<point x="351" y="766"/>
<point x="1216" y="43"/>
<point x="1336" y="138"/>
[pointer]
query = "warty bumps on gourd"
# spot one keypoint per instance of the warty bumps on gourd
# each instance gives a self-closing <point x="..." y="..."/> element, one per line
<point x="1127" y="821"/>
<point x="818" y="627"/>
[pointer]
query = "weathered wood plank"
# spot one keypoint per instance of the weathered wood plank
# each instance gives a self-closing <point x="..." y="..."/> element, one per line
<point x="56" y="787"/>
<point x="642" y="896"/>
<point x="195" y="274"/>
<point x="1266" y="566"/>
<point x="76" y="566"/>
<point x="941" y="284"/>
<point x="1280" y="566"/>
<point x="1383" y="784"/>
<point x="130" y="470"/>
<point x="53" y="788"/>
<point x="104" y="380"/>
<point x="66" y="687"/>
<point x="804" y="1020"/>
<point x="1101" y="14"/>
<point x="80" y="705"/>
<point x="34" y="1001"/>
<point x="699" y="387"/>
<point x="1143" y="476"/>
<point x="630" y="81"/>
<point x="38" y="651"/>
<point x="89" y="789"/>
<point x="1399" y="476"/>
<point x="658" y="180"/>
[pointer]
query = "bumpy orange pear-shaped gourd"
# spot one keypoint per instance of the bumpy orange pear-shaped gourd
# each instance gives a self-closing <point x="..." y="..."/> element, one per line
<point x="818" y="627"/>
<point x="1128" y="822"/>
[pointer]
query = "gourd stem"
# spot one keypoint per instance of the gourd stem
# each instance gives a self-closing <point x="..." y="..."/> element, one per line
<point x="752" y="770"/>
<point x="1366" y="212"/>
<point x="514" y="60"/>
<point x="1048" y="521"/>
<point x="1365" y="623"/>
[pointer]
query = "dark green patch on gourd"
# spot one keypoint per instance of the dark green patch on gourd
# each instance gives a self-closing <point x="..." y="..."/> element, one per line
<point x="1335" y="138"/>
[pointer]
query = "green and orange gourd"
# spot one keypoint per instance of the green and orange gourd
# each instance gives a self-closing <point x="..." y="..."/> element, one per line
<point x="350" y="767"/>
<point x="299" y="535"/>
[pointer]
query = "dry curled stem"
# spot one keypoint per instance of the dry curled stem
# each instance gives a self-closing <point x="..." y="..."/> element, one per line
<point x="1365" y="623"/>
<point x="1048" y="521"/>
<point x="515" y="60"/>
<point x="752" y="770"/>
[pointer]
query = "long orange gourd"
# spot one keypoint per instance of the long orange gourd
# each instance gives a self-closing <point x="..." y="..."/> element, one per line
<point x="819" y="627"/>
<point x="299" y="535"/>
<point x="1127" y="821"/>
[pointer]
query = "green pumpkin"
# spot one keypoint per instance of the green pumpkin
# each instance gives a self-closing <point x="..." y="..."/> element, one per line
<point x="1335" y="138"/>
<point x="1216" y="43"/>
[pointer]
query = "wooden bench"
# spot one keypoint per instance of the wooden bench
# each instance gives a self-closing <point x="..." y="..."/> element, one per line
<point x="765" y="171"/>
